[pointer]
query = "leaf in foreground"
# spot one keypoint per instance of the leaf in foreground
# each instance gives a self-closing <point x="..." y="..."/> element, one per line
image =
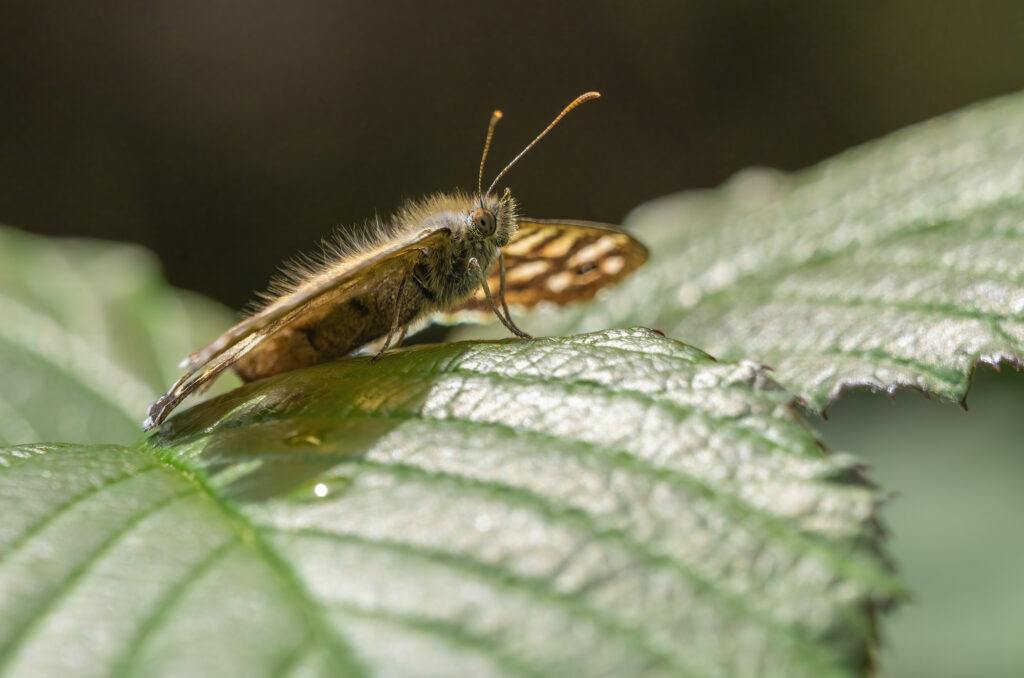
<point x="606" y="504"/>
<point x="899" y="263"/>
<point x="90" y="333"/>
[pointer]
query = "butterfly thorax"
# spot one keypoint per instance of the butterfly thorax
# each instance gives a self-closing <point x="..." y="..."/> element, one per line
<point x="445" y="271"/>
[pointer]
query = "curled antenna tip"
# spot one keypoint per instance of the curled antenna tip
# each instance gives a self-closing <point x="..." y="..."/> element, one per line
<point x="495" y="117"/>
<point x="583" y="98"/>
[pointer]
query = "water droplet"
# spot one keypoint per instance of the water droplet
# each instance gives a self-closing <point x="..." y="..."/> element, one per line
<point x="303" y="439"/>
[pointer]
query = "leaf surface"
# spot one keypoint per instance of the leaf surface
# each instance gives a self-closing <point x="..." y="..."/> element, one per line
<point x="613" y="503"/>
<point x="90" y="334"/>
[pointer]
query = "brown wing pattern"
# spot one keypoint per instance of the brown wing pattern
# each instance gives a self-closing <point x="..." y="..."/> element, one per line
<point x="351" y="281"/>
<point x="560" y="261"/>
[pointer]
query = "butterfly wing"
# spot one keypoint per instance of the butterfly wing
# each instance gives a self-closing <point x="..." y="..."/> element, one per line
<point x="380" y="271"/>
<point x="557" y="261"/>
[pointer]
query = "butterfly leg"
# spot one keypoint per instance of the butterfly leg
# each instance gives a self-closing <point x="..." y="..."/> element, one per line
<point x="501" y="287"/>
<point x="394" y="324"/>
<point x="507" y="322"/>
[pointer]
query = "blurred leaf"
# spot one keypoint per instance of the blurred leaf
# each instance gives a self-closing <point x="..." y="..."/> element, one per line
<point x="90" y="334"/>
<point x="606" y="504"/>
<point x="899" y="263"/>
<point x="957" y="474"/>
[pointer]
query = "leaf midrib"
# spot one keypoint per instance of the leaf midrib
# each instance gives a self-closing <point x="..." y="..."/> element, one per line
<point x="340" y="654"/>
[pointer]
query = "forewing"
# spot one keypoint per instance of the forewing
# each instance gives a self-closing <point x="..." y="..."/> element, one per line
<point x="558" y="261"/>
<point x="206" y="364"/>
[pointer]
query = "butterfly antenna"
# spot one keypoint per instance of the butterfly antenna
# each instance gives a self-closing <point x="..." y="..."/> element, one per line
<point x="581" y="99"/>
<point x="495" y="117"/>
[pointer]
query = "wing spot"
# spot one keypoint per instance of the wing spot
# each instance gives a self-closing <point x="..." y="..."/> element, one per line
<point x="527" y="271"/>
<point x="559" y="247"/>
<point x="560" y="281"/>
<point x="528" y="243"/>
<point x="593" y="252"/>
<point x="612" y="265"/>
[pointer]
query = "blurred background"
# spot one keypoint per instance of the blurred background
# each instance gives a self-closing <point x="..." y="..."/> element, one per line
<point x="226" y="136"/>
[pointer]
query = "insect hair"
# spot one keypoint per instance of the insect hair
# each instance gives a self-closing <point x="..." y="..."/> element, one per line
<point x="346" y="247"/>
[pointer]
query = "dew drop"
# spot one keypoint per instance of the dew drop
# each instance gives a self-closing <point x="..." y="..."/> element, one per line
<point x="303" y="439"/>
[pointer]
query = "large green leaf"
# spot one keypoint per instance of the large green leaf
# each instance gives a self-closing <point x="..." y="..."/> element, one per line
<point x="899" y="263"/>
<point x="90" y="334"/>
<point x="606" y="504"/>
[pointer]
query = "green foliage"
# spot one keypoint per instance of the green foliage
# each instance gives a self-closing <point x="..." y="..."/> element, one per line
<point x="612" y="503"/>
<point x="90" y="335"/>
<point x="954" y="524"/>
<point x="607" y="503"/>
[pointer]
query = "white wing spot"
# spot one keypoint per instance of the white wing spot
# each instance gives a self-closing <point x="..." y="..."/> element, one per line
<point x="560" y="281"/>
<point x="527" y="244"/>
<point x="612" y="265"/>
<point x="527" y="271"/>
<point x="592" y="252"/>
<point x="559" y="247"/>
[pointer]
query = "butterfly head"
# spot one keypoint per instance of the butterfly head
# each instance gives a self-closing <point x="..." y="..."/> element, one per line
<point x="492" y="219"/>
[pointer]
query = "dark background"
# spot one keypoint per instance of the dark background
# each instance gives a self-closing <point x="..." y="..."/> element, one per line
<point x="228" y="135"/>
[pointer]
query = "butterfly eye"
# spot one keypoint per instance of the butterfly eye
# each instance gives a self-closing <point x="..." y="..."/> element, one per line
<point x="483" y="220"/>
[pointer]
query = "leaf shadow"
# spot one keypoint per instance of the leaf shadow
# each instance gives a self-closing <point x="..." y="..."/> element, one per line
<point x="279" y="435"/>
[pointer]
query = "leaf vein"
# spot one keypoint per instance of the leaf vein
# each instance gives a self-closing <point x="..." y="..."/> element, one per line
<point x="31" y="625"/>
<point x="146" y="627"/>
<point x="68" y="505"/>
<point x="495" y="573"/>
<point x="341" y="654"/>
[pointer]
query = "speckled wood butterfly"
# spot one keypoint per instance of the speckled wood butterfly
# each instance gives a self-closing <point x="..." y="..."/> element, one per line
<point x="439" y="255"/>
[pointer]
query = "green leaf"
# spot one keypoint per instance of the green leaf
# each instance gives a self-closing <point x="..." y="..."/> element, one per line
<point x="614" y="503"/>
<point x="89" y="336"/>
<point x="899" y="263"/>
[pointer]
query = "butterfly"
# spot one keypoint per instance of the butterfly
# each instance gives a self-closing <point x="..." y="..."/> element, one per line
<point x="439" y="255"/>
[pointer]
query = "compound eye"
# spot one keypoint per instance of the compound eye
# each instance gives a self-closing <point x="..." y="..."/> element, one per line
<point x="483" y="220"/>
